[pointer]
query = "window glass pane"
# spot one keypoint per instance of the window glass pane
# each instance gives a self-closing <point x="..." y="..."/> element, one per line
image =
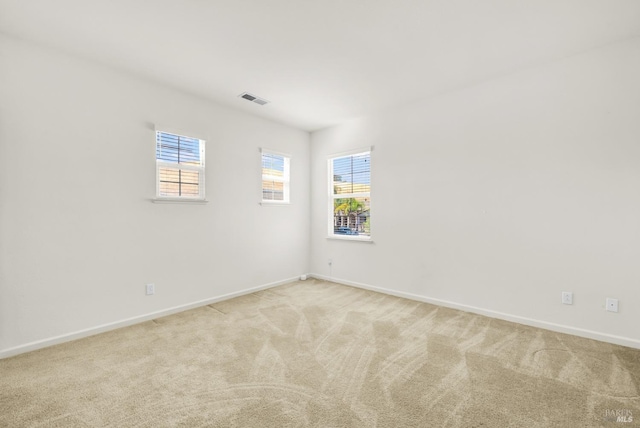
<point x="352" y="174"/>
<point x="169" y="175"/>
<point x="188" y="176"/>
<point x="190" y="190"/>
<point x="351" y="216"/>
<point x="178" y="149"/>
<point x="272" y="165"/>
<point x="272" y="190"/>
<point x="175" y="182"/>
<point x="167" y="147"/>
<point x="169" y="189"/>
<point x="189" y="151"/>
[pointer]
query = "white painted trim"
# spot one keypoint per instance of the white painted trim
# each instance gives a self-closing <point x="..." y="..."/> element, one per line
<point x="179" y="201"/>
<point x="56" y="340"/>
<point x="268" y="203"/>
<point x="575" y="331"/>
<point x="350" y="195"/>
<point x="274" y="152"/>
<point x="352" y="238"/>
<point x="182" y="166"/>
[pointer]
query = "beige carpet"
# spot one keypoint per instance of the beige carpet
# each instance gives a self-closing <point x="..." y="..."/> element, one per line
<point x="318" y="354"/>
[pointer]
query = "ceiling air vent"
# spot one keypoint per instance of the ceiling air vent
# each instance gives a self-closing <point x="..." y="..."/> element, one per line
<point x="247" y="96"/>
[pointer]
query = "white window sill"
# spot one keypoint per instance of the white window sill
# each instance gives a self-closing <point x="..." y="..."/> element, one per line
<point x="351" y="238"/>
<point x="179" y="201"/>
<point x="273" y="203"/>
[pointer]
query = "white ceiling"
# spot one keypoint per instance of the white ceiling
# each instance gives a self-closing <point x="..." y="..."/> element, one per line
<point x="321" y="62"/>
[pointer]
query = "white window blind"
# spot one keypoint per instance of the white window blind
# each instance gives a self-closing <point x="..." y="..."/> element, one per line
<point x="275" y="178"/>
<point x="179" y="166"/>
<point x="350" y="187"/>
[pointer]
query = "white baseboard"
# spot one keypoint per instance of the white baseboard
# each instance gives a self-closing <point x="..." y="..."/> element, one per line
<point x="589" y="334"/>
<point x="32" y="346"/>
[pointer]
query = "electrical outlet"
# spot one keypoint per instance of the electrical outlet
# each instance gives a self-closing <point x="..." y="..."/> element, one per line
<point x="151" y="289"/>
<point x="612" y="305"/>
<point x="567" y="298"/>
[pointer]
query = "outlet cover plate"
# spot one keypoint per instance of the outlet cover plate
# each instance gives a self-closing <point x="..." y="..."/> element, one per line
<point x="612" y="305"/>
<point x="567" y="298"/>
<point x="151" y="289"/>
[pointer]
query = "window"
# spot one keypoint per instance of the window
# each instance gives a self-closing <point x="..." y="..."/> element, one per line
<point x="350" y="204"/>
<point x="275" y="178"/>
<point x="179" y="166"/>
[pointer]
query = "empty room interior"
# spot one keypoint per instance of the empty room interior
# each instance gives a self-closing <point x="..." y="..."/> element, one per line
<point x="319" y="214"/>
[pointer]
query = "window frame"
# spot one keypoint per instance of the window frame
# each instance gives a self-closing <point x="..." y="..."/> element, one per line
<point x="186" y="167"/>
<point x="332" y="196"/>
<point x="285" y="179"/>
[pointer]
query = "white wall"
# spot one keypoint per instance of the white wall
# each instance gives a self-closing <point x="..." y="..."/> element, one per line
<point x="499" y="196"/>
<point x="79" y="236"/>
